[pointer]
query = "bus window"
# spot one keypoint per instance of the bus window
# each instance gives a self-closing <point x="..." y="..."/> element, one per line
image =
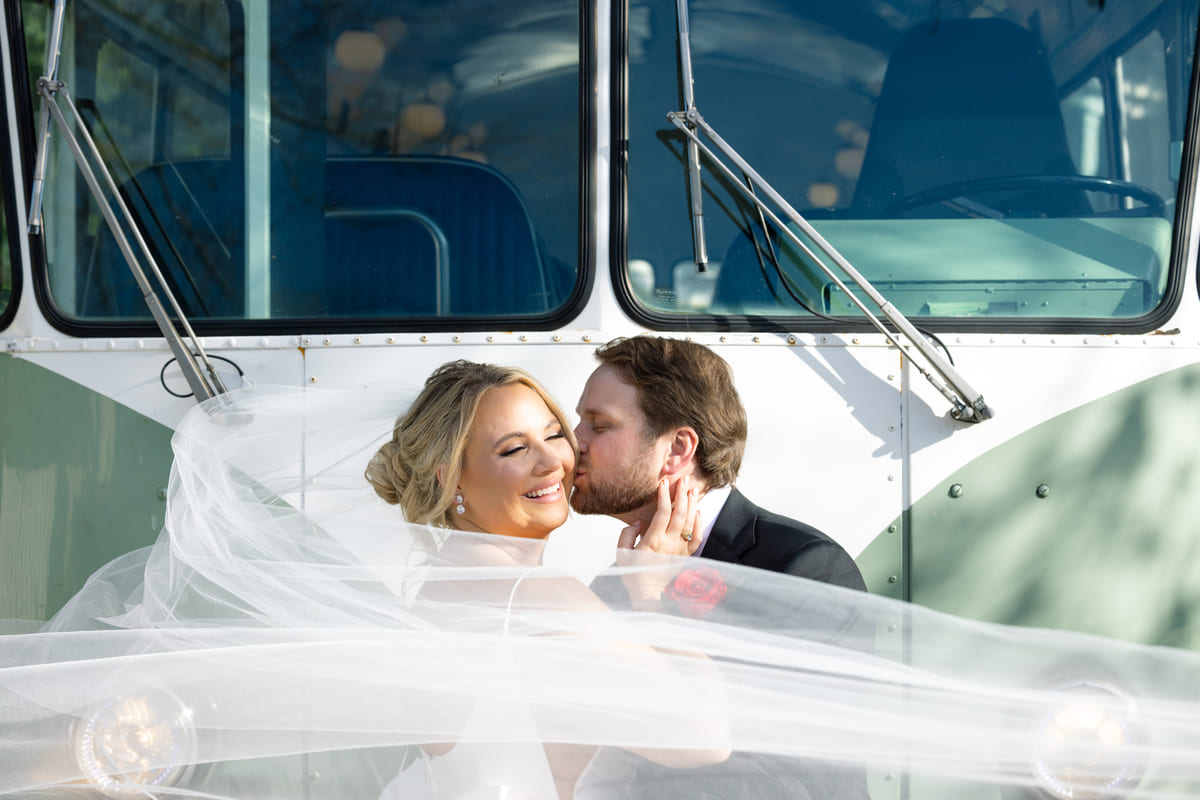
<point x="983" y="164"/>
<point x="324" y="160"/>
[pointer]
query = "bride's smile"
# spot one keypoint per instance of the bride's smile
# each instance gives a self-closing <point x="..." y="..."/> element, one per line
<point x="518" y="466"/>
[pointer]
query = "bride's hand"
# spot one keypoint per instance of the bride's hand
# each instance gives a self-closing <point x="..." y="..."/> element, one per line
<point x="665" y="534"/>
<point x="674" y="529"/>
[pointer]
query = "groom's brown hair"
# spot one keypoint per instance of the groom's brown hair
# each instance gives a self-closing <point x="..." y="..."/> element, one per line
<point x="681" y="383"/>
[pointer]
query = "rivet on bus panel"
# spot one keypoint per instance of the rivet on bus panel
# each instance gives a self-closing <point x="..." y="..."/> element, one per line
<point x="956" y="490"/>
<point x="1042" y="491"/>
<point x="313" y="379"/>
<point x="491" y="338"/>
<point x="557" y="338"/>
<point x="524" y="338"/>
<point x="424" y="338"/>
<point x="724" y="339"/>
<point x="141" y="344"/>
<point x="264" y="342"/>
<point x="791" y="340"/>
<point x="325" y="340"/>
<point x="587" y="337"/>
<point x="358" y="340"/>
<point x="391" y="340"/>
<point x="231" y="343"/>
<point x="112" y="345"/>
<point x="457" y="339"/>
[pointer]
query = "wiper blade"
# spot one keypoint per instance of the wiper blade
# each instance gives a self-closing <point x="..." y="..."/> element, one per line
<point x="695" y="188"/>
<point x="204" y="383"/>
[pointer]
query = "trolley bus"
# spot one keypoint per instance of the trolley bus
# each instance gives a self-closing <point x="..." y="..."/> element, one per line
<point x="948" y="247"/>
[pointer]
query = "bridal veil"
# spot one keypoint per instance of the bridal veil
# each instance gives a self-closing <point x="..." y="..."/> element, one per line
<point x="288" y="636"/>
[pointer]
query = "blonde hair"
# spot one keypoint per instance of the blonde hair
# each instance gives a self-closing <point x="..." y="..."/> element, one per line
<point x="433" y="434"/>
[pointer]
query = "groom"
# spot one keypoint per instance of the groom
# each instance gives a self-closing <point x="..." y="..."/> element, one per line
<point x="667" y="408"/>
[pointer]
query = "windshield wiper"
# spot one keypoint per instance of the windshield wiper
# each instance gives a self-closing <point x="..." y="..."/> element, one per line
<point x="967" y="404"/>
<point x="695" y="188"/>
<point x="205" y="383"/>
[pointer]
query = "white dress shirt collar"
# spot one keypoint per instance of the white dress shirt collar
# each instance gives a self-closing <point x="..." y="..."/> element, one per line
<point x="710" y="508"/>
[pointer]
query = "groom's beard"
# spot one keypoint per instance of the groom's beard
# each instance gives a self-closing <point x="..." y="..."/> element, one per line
<point x="636" y="486"/>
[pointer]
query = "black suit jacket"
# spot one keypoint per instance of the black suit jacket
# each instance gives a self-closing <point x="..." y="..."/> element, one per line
<point x="748" y="534"/>
<point x="743" y="533"/>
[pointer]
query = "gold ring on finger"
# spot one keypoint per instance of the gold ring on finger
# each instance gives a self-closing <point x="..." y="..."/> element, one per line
<point x="687" y="535"/>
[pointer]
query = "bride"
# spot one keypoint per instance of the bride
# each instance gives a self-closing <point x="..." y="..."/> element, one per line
<point x="484" y="448"/>
<point x="291" y="635"/>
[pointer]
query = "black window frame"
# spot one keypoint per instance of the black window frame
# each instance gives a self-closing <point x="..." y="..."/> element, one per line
<point x="571" y="307"/>
<point x="705" y="322"/>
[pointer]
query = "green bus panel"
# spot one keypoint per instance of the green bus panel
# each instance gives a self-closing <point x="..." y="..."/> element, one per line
<point x="81" y="482"/>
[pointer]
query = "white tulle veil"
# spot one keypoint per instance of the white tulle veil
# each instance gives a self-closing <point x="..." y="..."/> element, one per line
<point x="288" y="636"/>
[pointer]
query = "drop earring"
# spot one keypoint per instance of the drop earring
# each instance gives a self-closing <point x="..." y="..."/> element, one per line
<point x="460" y="508"/>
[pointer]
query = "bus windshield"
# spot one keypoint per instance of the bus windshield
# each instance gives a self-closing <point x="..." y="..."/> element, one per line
<point x="989" y="162"/>
<point x="323" y="159"/>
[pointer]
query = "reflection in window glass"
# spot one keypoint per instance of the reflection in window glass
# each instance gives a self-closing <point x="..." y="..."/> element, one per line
<point x="6" y="276"/>
<point x="1083" y="115"/>
<point x="974" y="160"/>
<point x="309" y="159"/>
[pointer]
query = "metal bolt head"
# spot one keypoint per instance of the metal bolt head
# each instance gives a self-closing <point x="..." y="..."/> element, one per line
<point x="956" y="490"/>
<point x="892" y="578"/>
<point x="1042" y="490"/>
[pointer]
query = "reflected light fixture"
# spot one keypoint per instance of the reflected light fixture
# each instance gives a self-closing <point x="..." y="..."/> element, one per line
<point x="1088" y="746"/>
<point x="135" y="742"/>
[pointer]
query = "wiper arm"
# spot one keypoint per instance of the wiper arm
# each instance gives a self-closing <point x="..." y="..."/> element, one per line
<point x="695" y="188"/>
<point x="204" y="383"/>
<point x="967" y="404"/>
